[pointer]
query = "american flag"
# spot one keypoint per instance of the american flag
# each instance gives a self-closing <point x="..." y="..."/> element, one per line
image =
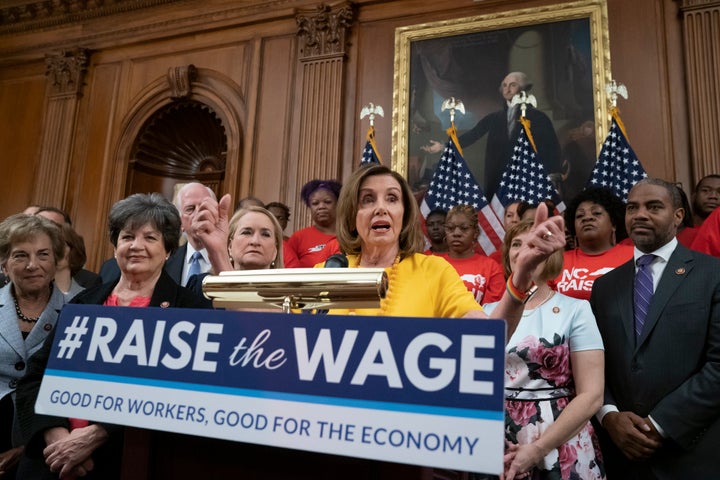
<point x="453" y="184"/>
<point x="617" y="168"/>
<point x="524" y="178"/>
<point x="369" y="154"/>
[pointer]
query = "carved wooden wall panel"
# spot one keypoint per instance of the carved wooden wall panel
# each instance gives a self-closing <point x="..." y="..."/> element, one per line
<point x="66" y="73"/>
<point x="322" y="44"/>
<point x="295" y="90"/>
<point x="273" y="169"/>
<point x="89" y="183"/>
<point x="22" y="99"/>
<point x="701" y="24"/>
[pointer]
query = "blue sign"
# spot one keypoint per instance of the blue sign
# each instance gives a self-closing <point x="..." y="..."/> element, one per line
<point x="425" y="391"/>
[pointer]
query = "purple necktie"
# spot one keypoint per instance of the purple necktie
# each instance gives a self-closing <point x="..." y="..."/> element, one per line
<point x="643" y="291"/>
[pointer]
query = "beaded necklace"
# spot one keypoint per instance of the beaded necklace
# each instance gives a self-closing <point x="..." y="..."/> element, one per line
<point x="21" y="315"/>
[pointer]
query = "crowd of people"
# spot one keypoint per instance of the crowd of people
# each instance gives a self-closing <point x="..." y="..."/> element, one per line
<point x="612" y="311"/>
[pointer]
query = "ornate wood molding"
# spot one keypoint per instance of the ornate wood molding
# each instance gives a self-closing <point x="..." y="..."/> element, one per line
<point x="36" y="14"/>
<point x="180" y="80"/>
<point x="692" y="4"/>
<point x="322" y="54"/>
<point x="323" y="31"/>
<point x="66" y="71"/>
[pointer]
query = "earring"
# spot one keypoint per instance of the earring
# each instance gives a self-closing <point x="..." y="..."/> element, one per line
<point x="272" y="264"/>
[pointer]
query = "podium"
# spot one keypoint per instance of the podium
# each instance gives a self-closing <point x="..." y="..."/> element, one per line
<point x="158" y="455"/>
<point x="154" y="455"/>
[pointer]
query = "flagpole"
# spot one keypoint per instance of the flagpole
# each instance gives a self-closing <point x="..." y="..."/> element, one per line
<point x="370" y="153"/>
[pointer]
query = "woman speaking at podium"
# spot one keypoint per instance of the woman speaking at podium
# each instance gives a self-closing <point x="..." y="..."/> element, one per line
<point x="378" y="226"/>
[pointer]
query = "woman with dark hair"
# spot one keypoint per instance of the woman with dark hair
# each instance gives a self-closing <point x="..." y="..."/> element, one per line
<point x="554" y="364"/>
<point x="305" y="247"/>
<point x="379" y="227"/>
<point x="596" y="219"/>
<point x="30" y="247"/>
<point x="281" y="212"/>
<point x="482" y="276"/>
<point x="71" y="263"/>
<point x="144" y="230"/>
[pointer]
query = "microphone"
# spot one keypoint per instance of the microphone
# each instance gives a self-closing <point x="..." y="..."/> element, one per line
<point x="336" y="260"/>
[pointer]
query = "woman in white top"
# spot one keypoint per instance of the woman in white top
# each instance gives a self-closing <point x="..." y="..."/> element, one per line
<point x="554" y="371"/>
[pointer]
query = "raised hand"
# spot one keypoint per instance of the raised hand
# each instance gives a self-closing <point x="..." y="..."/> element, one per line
<point x="546" y="236"/>
<point x="211" y="226"/>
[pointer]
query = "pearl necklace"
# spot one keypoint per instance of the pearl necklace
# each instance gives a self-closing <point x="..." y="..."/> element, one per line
<point x="392" y="273"/>
<point x="21" y="315"/>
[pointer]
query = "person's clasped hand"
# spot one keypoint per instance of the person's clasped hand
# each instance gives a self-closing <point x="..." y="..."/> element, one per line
<point x="9" y="459"/>
<point x="69" y="454"/>
<point x="522" y="460"/>
<point x="633" y="434"/>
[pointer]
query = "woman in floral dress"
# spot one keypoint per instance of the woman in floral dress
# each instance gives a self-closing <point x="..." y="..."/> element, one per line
<point x="553" y="380"/>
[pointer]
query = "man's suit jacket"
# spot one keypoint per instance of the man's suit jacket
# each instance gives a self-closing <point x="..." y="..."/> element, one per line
<point x="672" y="372"/>
<point x="14" y="351"/>
<point x="88" y="279"/>
<point x="109" y="270"/>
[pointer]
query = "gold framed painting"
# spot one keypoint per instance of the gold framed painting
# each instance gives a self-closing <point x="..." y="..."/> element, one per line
<point x="563" y="51"/>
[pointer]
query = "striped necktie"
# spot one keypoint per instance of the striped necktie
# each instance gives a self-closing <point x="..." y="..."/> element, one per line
<point x="643" y="291"/>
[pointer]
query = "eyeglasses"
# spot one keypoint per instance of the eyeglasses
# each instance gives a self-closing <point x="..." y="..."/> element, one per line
<point x="449" y="228"/>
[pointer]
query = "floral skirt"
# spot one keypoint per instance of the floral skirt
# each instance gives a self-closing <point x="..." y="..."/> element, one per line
<point x="578" y="459"/>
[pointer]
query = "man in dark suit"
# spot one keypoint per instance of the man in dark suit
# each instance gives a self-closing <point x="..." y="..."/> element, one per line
<point x="503" y="129"/>
<point x="660" y="322"/>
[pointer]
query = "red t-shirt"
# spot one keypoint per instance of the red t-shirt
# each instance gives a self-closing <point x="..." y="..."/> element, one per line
<point x="707" y="239"/>
<point x="580" y="269"/>
<point x="482" y="276"/>
<point x="687" y="235"/>
<point x="112" y="301"/>
<point x="305" y="248"/>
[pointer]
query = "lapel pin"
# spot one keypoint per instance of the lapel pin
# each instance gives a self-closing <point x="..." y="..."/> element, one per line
<point x="165" y="304"/>
<point x="680" y="271"/>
